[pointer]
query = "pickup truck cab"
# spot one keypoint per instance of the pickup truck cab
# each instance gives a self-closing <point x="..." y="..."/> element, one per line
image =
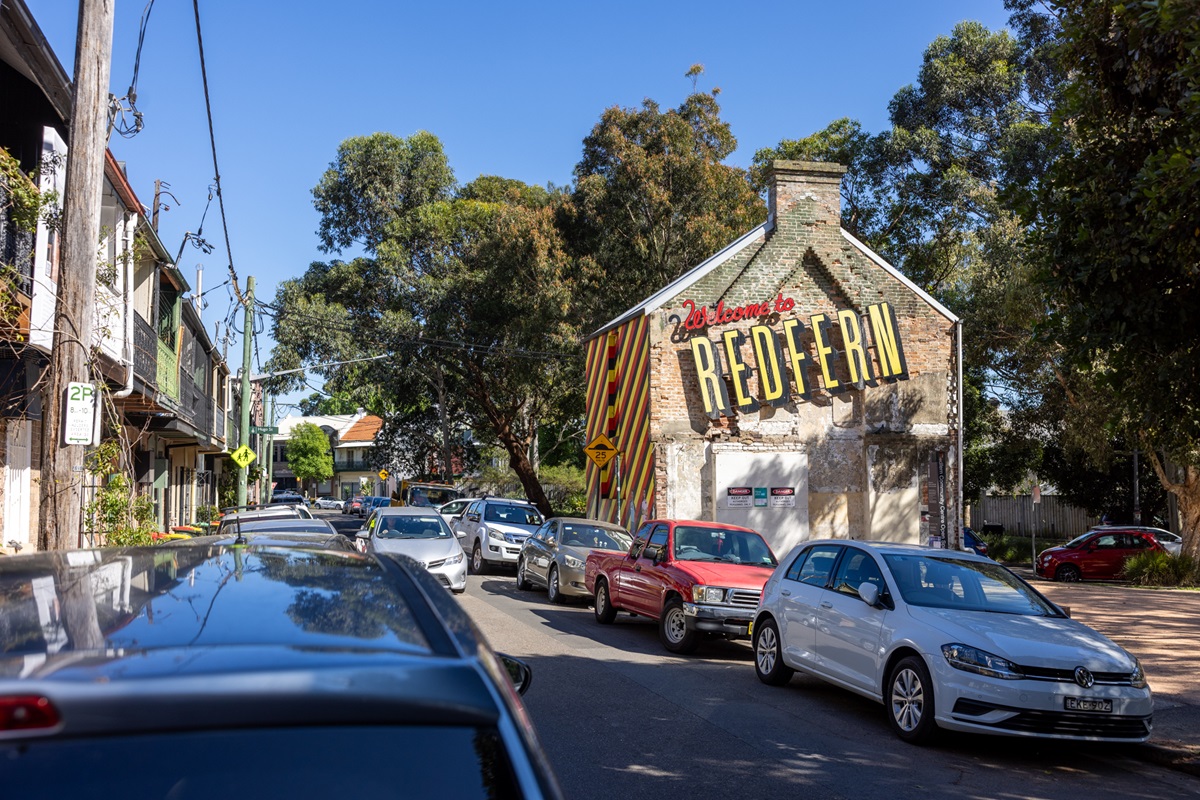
<point x="693" y="577"/>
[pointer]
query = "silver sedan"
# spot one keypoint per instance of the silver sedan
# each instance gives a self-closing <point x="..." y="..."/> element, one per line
<point x="554" y="555"/>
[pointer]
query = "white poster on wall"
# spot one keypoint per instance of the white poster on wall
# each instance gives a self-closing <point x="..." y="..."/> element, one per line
<point x="783" y="497"/>
<point x="739" y="497"/>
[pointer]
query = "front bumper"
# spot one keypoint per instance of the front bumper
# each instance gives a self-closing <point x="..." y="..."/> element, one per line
<point x="505" y="551"/>
<point x="729" y="620"/>
<point x="452" y="576"/>
<point x="1036" y="708"/>
<point x="571" y="583"/>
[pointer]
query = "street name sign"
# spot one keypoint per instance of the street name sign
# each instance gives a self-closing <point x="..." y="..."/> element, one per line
<point x="267" y="430"/>
<point x="243" y="456"/>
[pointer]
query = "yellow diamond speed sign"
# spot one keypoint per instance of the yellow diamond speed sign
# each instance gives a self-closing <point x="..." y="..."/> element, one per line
<point x="601" y="451"/>
<point x="243" y="456"/>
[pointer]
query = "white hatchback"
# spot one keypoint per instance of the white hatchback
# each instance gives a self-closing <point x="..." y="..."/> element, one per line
<point x="945" y="640"/>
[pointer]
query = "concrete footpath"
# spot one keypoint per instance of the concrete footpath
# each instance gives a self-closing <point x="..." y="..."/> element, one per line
<point x="1162" y="628"/>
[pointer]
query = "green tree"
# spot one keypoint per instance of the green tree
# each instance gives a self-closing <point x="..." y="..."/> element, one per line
<point x="1117" y="239"/>
<point x="308" y="453"/>
<point x="653" y="199"/>
<point x="469" y="290"/>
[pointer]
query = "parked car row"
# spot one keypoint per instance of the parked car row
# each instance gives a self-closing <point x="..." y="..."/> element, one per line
<point x="944" y="640"/>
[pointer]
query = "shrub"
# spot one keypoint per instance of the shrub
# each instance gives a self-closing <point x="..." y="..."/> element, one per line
<point x="1015" y="549"/>
<point x="1161" y="569"/>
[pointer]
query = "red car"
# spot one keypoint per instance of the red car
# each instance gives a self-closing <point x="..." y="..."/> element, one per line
<point x="695" y="578"/>
<point x="1099" y="553"/>
<point x="353" y="505"/>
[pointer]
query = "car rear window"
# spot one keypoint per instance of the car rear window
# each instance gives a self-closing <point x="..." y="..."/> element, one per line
<point x="359" y="762"/>
<point x="197" y="597"/>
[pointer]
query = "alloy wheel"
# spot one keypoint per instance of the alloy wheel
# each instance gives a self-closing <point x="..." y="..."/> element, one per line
<point x="767" y="651"/>
<point x="908" y="699"/>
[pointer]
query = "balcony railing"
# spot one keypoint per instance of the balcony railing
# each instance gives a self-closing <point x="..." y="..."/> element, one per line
<point x="353" y="465"/>
<point x="168" y="370"/>
<point x="145" y="352"/>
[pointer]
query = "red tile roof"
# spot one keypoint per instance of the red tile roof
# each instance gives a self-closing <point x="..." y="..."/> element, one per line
<point x="364" y="430"/>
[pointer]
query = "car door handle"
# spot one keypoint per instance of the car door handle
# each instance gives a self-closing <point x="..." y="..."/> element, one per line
<point x="826" y="604"/>
<point x="637" y="568"/>
<point x="786" y="592"/>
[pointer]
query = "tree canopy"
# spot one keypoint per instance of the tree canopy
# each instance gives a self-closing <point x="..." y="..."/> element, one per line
<point x="308" y="454"/>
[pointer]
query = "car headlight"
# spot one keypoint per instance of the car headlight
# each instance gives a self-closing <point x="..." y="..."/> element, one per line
<point x="1137" y="678"/>
<point x="972" y="659"/>
<point x="571" y="562"/>
<point x="491" y="534"/>
<point x="708" y="594"/>
<point x="453" y="559"/>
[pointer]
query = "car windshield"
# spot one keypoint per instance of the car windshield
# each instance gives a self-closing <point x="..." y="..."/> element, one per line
<point x="512" y="514"/>
<point x="695" y="543"/>
<point x="594" y="536"/>
<point x="965" y="585"/>
<point x="432" y="495"/>
<point x="404" y="526"/>
<point x="1078" y="540"/>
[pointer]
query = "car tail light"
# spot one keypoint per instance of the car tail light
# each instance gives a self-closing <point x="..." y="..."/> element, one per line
<point x="28" y="711"/>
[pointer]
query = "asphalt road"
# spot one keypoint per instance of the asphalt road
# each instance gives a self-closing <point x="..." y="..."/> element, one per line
<point x="619" y="716"/>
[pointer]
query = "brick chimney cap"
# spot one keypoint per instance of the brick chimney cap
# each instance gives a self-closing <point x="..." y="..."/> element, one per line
<point x="815" y="169"/>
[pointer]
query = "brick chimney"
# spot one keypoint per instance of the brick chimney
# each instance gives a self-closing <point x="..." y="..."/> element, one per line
<point x="805" y="192"/>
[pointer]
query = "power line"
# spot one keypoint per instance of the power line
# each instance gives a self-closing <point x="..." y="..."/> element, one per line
<point x="212" y="138"/>
<point x="269" y="310"/>
<point x="116" y="106"/>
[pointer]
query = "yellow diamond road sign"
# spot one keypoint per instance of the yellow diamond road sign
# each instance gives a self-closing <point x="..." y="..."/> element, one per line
<point x="383" y="473"/>
<point x="243" y="456"/>
<point x="601" y="450"/>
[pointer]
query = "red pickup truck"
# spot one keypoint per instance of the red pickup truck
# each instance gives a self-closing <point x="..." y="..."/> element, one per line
<point x="693" y="577"/>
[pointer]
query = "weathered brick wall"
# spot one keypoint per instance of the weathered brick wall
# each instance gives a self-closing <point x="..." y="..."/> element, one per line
<point x="806" y="257"/>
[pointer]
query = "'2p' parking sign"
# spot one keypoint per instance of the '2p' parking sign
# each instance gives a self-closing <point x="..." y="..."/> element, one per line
<point x="79" y="413"/>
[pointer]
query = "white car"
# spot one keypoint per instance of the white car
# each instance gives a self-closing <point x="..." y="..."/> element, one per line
<point x="1173" y="542"/>
<point x="420" y="534"/>
<point x="494" y="528"/>
<point x="330" y="502"/>
<point x="945" y="639"/>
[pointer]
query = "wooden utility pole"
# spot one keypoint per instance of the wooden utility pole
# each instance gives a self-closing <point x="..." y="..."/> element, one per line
<point x="244" y="428"/>
<point x="74" y="317"/>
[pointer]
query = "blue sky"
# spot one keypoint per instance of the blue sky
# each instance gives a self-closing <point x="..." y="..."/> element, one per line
<point x="511" y="90"/>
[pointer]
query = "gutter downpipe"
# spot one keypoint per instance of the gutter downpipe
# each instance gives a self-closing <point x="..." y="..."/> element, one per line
<point x="127" y="352"/>
<point x="958" y="533"/>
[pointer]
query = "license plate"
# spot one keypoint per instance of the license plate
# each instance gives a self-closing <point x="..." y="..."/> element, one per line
<point x="1087" y="704"/>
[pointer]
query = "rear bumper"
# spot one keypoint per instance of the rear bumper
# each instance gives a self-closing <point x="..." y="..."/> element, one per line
<point x="728" y="620"/>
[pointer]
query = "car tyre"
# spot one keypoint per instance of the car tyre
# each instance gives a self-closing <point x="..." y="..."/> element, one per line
<point x="605" y="611"/>
<point x="768" y="654"/>
<point x="553" y="590"/>
<point x="673" y="630"/>
<point x="522" y="581"/>
<point x="479" y="564"/>
<point x="1067" y="573"/>
<point x="910" y="702"/>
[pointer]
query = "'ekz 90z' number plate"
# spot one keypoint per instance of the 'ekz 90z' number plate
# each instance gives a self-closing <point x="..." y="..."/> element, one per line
<point x="1087" y="704"/>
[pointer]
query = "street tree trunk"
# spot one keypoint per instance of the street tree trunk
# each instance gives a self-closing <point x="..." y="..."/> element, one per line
<point x="1187" y="494"/>
<point x="74" y="318"/>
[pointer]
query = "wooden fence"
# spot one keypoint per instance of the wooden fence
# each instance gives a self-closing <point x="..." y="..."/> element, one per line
<point x="1020" y="516"/>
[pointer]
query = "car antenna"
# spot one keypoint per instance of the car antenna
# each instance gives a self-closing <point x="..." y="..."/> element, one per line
<point x="237" y="525"/>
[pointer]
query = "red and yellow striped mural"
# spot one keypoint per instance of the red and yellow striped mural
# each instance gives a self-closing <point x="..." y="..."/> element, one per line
<point x="618" y="405"/>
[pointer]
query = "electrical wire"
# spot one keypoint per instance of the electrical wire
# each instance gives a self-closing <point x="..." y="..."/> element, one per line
<point x="117" y="109"/>
<point x="273" y="311"/>
<point x="212" y="138"/>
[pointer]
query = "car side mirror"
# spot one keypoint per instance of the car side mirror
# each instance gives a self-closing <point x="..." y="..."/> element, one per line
<point x="869" y="593"/>
<point x="473" y="517"/>
<point x="363" y="534"/>
<point x="660" y="555"/>
<point x="518" y="672"/>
